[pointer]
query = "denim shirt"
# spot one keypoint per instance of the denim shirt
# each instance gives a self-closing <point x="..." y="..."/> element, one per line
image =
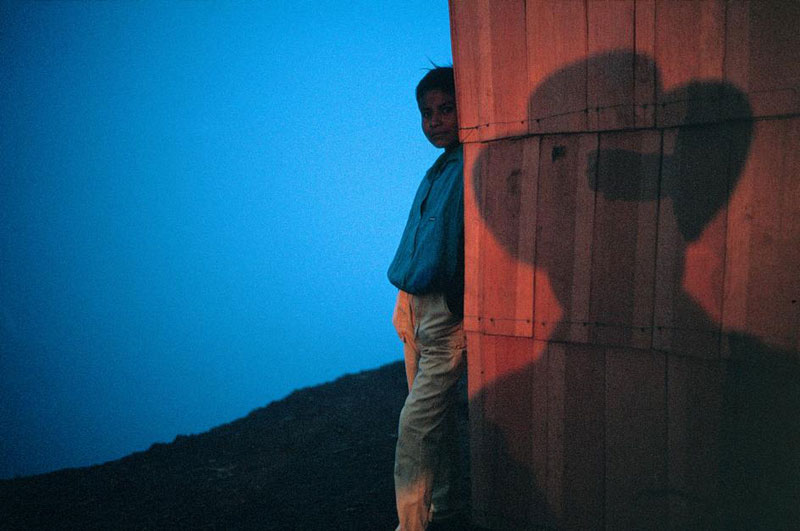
<point x="430" y="257"/>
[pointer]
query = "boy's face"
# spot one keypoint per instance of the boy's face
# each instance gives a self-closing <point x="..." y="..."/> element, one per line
<point x="439" y="118"/>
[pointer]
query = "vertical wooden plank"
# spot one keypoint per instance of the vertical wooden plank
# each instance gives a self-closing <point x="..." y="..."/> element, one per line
<point x="520" y="498"/>
<point x="645" y="84"/>
<point x="691" y="240"/>
<point x="762" y="284"/>
<point x="484" y="436"/>
<point x="556" y="42"/>
<point x="564" y="237"/>
<point x="610" y="86"/>
<point x="526" y="244"/>
<point x="474" y="230"/>
<point x="480" y="447"/>
<point x="669" y="253"/>
<point x="690" y="37"/>
<point x="623" y="262"/>
<point x="584" y="437"/>
<point x="508" y="188"/>
<point x="485" y="86"/>
<point x="466" y="65"/>
<point x="737" y="48"/>
<point x="555" y="429"/>
<point x="508" y="92"/>
<point x="635" y="440"/>
<point x="476" y="380"/>
<point x="539" y="511"/>
<point x="499" y="179"/>
<point x="695" y="412"/>
<point x="762" y="54"/>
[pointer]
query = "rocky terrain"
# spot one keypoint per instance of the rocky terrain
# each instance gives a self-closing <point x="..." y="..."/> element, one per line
<point x="321" y="458"/>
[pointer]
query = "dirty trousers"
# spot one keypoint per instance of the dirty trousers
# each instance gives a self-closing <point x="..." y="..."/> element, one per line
<point x="427" y="460"/>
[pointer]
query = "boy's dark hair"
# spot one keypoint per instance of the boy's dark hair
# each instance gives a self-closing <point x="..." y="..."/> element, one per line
<point x="437" y="78"/>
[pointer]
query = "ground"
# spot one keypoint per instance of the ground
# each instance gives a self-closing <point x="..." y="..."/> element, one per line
<point x="319" y="459"/>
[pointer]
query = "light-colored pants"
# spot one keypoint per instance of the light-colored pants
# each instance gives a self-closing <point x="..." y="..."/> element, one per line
<point x="427" y="467"/>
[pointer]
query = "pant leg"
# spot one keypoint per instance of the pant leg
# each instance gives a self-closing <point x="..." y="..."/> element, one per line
<point x="446" y="498"/>
<point x="403" y="321"/>
<point x="426" y="433"/>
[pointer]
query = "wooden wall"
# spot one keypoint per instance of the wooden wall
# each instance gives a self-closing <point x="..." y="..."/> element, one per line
<point x="632" y="200"/>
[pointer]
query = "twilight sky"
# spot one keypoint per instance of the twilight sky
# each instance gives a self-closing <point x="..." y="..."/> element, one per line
<point x="198" y="204"/>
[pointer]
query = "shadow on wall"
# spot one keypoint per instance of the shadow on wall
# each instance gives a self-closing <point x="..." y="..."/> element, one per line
<point x="722" y="432"/>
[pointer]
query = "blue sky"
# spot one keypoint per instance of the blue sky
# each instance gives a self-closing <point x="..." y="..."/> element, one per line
<point x="198" y="204"/>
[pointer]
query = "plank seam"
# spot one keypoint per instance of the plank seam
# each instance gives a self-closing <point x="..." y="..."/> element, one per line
<point x="593" y="247"/>
<point x="659" y="178"/>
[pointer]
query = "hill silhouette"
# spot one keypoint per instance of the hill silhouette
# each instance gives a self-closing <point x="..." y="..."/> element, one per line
<point x="321" y="458"/>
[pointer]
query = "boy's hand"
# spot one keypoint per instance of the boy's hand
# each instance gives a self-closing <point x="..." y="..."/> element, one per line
<point x="401" y="317"/>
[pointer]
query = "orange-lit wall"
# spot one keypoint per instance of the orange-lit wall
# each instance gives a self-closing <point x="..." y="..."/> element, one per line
<point x="632" y="173"/>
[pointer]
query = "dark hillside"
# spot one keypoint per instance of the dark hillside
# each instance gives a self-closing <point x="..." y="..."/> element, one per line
<point x="319" y="459"/>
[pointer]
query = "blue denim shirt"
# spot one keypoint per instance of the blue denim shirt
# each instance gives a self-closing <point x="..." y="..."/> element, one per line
<point x="430" y="257"/>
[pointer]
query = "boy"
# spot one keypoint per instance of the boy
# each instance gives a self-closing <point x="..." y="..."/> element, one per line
<point x="428" y="268"/>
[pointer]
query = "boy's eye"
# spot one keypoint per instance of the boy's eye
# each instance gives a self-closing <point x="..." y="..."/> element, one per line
<point x="426" y="114"/>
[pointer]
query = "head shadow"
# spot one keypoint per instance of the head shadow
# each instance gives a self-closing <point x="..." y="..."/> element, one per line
<point x="698" y="160"/>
